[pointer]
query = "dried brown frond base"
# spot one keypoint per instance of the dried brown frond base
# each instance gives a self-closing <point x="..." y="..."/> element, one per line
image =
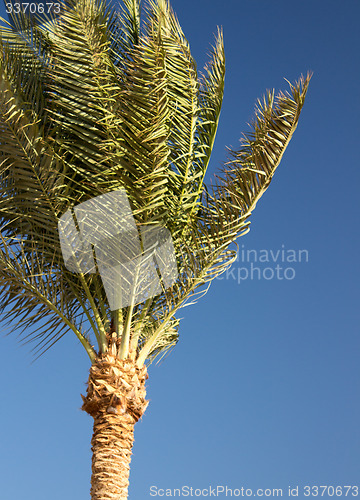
<point x="116" y="400"/>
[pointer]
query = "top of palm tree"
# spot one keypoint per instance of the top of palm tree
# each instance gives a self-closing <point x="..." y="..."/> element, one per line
<point x="94" y="101"/>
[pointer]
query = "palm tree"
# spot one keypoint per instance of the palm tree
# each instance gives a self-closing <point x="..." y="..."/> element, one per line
<point x="92" y="102"/>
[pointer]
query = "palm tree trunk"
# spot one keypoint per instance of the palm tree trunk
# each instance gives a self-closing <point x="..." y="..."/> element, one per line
<point x="116" y="400"/>
<point x="111" y="446"/>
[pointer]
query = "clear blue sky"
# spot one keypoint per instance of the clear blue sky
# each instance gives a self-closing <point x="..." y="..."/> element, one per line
<point x="263" y="389"/>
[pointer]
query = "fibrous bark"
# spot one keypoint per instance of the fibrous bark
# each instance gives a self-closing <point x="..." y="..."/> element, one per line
<point x="116" y="400"/>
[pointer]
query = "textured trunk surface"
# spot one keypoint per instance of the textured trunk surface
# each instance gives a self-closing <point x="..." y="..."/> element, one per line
<point x="116" y="400"/>
<point x="111" y="446"/>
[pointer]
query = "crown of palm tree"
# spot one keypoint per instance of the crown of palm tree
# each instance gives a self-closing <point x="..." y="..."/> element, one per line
<point x="93" y="101"/>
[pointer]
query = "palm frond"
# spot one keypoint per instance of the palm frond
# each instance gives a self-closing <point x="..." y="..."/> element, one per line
<point x="250" y="168"/>
<point x="211" y="97"/>
<point x="183" y="103"/>
<point x="80" y="88"/>
<point x="27" y="173"/>
<point x="36" y="293"/>
<point x="130" y="24"/>
<point x="24" y="62"/>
